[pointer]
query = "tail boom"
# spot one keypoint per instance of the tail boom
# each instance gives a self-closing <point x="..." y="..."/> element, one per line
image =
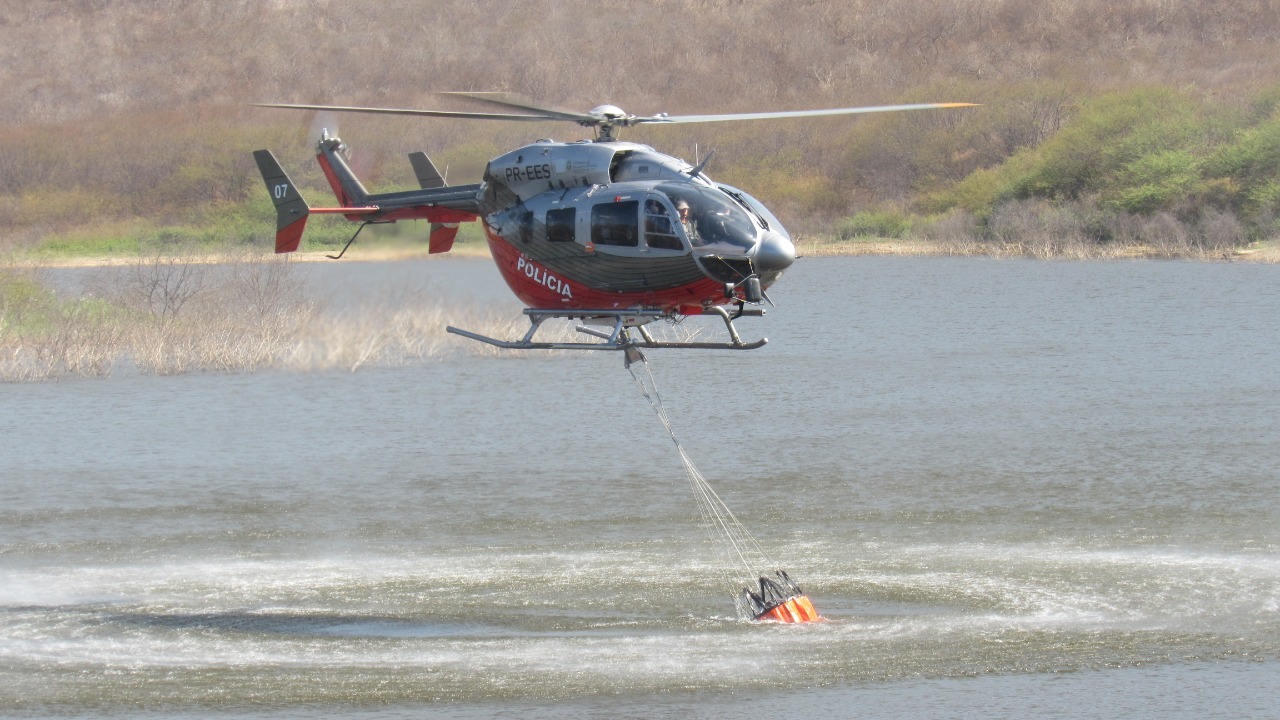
<point x="444" y="207"/>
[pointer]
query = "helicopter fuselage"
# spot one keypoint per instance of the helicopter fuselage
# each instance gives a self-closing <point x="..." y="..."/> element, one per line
<point x="590" y="230"/>
<point x="598" y="225"/>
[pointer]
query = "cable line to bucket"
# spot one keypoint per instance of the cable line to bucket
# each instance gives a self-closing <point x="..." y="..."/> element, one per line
<point x="777" y="598"/>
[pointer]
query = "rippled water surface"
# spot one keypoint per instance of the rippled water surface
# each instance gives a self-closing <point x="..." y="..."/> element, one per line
<point x="1014" y="489"/>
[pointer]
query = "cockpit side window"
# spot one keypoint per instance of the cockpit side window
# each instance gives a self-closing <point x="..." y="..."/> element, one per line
<point x="615" y="224"/>
<point x="659" y="230"/>
<point x="713" y="218"/>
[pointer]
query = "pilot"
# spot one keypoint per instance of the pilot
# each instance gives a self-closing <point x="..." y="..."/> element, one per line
<point x="682" y="209"/>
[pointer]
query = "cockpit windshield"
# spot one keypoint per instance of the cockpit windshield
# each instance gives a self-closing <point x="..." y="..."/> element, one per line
<point x="763" y="216"/>
<point x="712" y="218"/>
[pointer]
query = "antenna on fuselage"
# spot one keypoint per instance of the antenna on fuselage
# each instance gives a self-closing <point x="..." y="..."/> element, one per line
<point x="693" y="171"/>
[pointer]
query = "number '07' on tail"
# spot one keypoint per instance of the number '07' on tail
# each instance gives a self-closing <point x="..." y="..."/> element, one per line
<point x="291" y="209"/>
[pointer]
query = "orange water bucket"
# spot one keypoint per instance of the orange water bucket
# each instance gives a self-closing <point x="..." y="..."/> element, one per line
<point x="796" y="610"/>
<point x="780" y="600"/>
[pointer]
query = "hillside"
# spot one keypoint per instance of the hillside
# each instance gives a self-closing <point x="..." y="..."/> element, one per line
<point x="127" y="120"/>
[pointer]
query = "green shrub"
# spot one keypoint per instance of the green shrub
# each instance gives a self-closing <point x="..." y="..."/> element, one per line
<point x="874" y="224"/>
<point x="17" y="293"/>
<point x="1252" y="163"/>
<point x="1105" y="140"/>
<point x="1156" y="181"/>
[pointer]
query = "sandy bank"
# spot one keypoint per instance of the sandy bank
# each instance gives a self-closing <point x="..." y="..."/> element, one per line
<point x="1266" y="252"/>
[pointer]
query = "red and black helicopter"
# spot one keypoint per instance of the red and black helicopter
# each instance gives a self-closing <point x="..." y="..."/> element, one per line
<point x="611" y="233"/>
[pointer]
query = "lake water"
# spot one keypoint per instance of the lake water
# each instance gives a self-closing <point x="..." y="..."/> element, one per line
<point x="1014" y="488"/>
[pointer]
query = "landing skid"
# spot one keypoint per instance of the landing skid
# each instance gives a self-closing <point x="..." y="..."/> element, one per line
<point x="620" y="337"/>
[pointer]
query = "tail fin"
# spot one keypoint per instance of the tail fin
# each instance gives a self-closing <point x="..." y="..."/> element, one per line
<point x="442" y="235"/>
<point x="291" y="209"/>
<point x="429" y="177"/>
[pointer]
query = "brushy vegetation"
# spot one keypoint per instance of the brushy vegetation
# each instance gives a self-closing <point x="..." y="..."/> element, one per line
<point x="874" y="224"/>
<point x="1149" y="166"/>
<point x="1138" y="152"/>
<point x="173" y="312"/>
<point x="1143" y="121"/>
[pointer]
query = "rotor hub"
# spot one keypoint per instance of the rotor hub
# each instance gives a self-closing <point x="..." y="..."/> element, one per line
<point x="606" y="119"/>
<point x="608" y="112"/>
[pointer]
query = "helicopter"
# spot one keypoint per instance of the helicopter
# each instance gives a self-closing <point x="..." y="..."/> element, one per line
<point x="613" y="234"/>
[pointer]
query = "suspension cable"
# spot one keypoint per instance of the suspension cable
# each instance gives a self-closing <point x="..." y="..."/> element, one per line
<point x="715" y="514"/>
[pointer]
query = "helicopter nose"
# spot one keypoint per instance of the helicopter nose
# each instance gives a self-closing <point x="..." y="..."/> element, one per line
<point x="775" y="254"/>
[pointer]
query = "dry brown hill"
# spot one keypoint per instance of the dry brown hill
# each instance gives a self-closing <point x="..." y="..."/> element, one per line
<point x="72" y="60"/>
<point x="129" y="108"/>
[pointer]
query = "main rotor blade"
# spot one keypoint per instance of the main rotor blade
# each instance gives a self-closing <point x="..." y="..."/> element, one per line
<point x="519" y="102"/>
<point x="796" y="113"/>
<point x="420" y="113"/>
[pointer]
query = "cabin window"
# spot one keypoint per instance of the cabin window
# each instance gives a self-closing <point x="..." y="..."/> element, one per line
<point x="560" y="224"/>
<point x="615" y="224"/>
<point x="659" y="230"/>
<point x="525" y="220"/>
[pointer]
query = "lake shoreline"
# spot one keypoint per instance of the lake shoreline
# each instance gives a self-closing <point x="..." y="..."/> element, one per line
<point x="1265" y="252"/>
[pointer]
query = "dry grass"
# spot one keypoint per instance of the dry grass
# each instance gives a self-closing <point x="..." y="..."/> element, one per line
<point x="219" y="342"/>
<point x="173" y="314"/>
<point x="1264" y="252"/>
